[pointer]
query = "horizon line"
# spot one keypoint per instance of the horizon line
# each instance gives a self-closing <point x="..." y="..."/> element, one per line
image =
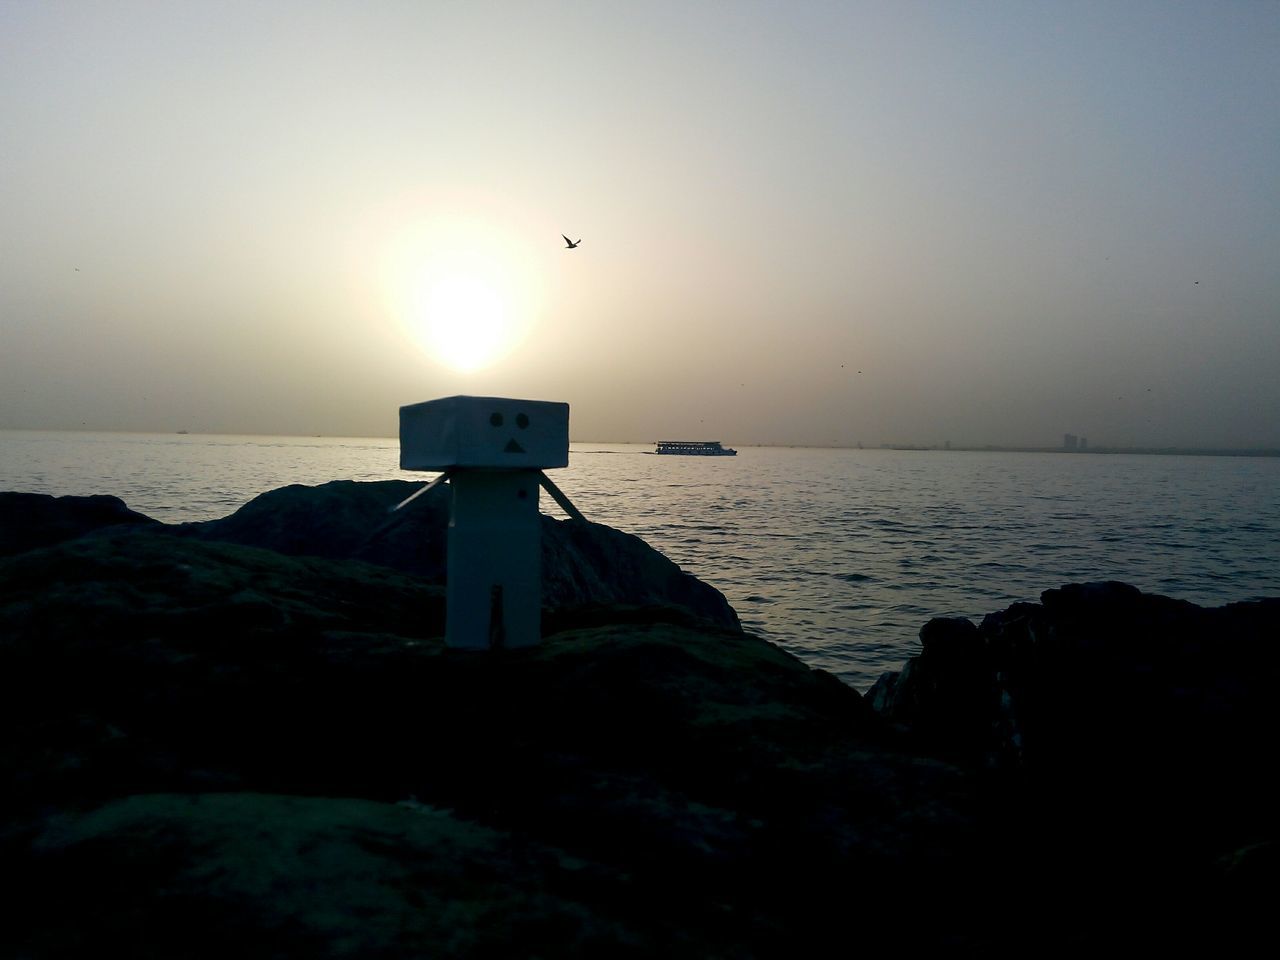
<point x="942" y="447"/>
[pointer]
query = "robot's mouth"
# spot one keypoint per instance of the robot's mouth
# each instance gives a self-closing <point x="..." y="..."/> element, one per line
<point x="512" y="447"/>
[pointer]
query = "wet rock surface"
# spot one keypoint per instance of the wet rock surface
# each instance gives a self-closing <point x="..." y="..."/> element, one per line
<point x="211" y="747"/>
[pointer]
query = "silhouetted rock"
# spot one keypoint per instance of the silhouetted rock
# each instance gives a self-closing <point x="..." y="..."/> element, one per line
<point x="586" y="563"/>
<point x="583" y="563"/>
<point x="31" y="520"/>
<point x="1127" y="714"/>
<point x="945" y="694"/>
<point x="211" y="748"/>
<point x="337" y="520"/>
<point x="174" y="712"/>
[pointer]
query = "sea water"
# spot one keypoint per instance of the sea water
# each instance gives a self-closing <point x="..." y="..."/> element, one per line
<point x="839" y="556"/>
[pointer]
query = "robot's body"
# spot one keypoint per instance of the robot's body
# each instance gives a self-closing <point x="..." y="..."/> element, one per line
<point x="493" y="450"/>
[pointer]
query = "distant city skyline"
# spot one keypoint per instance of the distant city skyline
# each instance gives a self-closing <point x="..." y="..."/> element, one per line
<point x="814" y="224"/>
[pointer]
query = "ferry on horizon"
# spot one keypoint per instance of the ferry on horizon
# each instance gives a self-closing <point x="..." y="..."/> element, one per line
<point x="695" y="448"/>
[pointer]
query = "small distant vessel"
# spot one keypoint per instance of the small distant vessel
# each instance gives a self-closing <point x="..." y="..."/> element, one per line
<point x="184" y="431"/>
<point x="695" y="448"/>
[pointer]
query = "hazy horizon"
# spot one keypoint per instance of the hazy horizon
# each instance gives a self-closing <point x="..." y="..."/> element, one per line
<point x="816" y="224"/>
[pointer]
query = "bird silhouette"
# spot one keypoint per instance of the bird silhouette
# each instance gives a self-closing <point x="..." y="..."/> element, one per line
<point x="570" y="243"/>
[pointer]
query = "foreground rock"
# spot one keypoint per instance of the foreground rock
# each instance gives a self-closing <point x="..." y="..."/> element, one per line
<point x="1131" y="720"/>
<point x="212" y="748"/>
<point x="209" y="748"/>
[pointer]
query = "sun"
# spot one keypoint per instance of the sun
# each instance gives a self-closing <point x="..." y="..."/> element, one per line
<point x="462" y="290"/>
<point x="465" y="321"/>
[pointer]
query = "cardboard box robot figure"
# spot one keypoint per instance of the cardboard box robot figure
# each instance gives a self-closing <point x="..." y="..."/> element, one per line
<point x="492" y="450"/>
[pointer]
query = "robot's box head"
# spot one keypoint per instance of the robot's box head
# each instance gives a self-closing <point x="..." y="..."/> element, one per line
<point x="494" y="433"/>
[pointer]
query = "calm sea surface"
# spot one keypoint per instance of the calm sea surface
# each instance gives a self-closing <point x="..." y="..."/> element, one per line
<point x="837" y="555"/>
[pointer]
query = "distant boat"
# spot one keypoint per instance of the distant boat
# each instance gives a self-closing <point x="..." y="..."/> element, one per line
<point x="184" y="431"/>
<point x="695" y="448"/>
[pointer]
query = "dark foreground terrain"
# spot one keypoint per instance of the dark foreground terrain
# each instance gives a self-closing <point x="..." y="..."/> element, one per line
<point x="246" y="738"/>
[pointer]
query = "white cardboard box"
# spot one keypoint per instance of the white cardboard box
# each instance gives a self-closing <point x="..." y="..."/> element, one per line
<point x="495" y="433"/>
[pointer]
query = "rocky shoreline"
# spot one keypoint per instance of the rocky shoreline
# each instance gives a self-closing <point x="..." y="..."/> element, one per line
<point x="245" y="736"/>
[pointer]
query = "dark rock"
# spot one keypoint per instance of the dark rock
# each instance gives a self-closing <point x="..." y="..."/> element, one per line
<point x="208" y="747"/>
<point x="31" y="520"/>
<point x="1126" y="714"/>
<point x="1098" y="597"/>
<point x="583" y="563"/>
<point x="944" y="695"/>
<point x="342" y="519"/>
<point x="586" y="563"/>
<point x="951" y="640"/>
<point x="382" y="880"/>
<point x="174" y="711"/>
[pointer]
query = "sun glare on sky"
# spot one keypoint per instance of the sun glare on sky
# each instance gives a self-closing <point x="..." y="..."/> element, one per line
<point x="466" y="321"/>
<point x="986" y="223"/>
<point x="462" y="290"/>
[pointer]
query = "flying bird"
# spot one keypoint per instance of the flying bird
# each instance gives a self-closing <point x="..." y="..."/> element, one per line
<point x="570" y="243"/>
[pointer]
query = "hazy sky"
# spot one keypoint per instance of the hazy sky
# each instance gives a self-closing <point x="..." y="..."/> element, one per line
<point x="808" y="223"/>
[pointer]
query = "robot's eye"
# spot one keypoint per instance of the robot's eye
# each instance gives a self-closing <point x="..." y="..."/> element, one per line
<point x="495" y="419"/>
<point x="522" y="420"/>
